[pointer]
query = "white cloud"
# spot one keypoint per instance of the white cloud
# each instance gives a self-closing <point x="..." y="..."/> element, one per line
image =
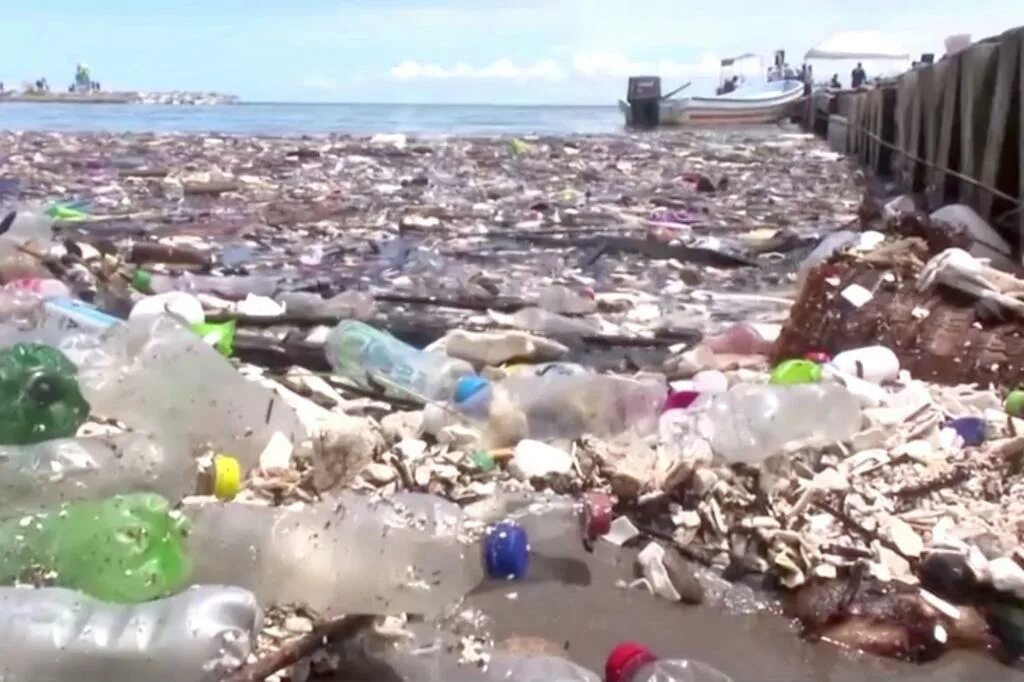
<point x="502" y="69"/>
<point x="605" y="64"/>
<point x="315" y="82"/>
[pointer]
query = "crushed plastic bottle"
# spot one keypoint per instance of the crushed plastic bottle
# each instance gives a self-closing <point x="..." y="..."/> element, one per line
<point x="370" y="358"/>
<point x="233" y="288"/>
<point x="160" y="377"/>
<point x="348" y="305"/>
<point x="129" y="548"/>
<point x="412" y="553"/>
<point x="26" y="316"/>
<point x="631" y="662"/>
<point x="63" y="470"/>
<point x="556" y="406"/>
<point x="39" y="395"/>
<point x="58" y="634"/>
<point x="752" y="422"/>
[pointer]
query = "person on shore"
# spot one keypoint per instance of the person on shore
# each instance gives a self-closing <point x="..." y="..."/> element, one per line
<point x="788" y="72"/>
<point x="858" y="76"/>
<point x="730" y="85"/>
<point x="834" y="83"/>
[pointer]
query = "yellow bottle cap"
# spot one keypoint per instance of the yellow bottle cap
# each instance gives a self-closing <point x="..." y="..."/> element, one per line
<point x="227" y="477"/>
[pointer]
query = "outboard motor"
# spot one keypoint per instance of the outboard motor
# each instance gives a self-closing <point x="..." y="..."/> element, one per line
<point x="644" y="97"/>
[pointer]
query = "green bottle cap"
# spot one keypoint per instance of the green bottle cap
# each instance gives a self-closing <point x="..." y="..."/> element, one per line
<point x="142" y="281"/>
<point x="1015" y="403"/>
<point x="126" y="549"/>
<point x="791" y="372"/>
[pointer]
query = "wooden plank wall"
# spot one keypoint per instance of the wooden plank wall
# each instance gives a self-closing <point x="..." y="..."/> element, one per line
<point x="964" y="114"/>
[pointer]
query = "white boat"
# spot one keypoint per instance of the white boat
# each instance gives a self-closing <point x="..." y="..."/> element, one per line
<point x="752" y="103"/>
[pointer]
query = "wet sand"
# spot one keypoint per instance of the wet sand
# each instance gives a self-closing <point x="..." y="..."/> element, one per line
<point x="590" y="619"/>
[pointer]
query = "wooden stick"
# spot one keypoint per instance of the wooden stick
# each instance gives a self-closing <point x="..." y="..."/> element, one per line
<point x="297" y="649"/>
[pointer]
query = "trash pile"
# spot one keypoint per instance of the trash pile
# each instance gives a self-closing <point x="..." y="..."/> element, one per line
<point x="265" y="397"/>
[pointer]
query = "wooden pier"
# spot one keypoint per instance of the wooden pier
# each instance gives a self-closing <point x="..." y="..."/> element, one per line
<point x="950" y="131"/>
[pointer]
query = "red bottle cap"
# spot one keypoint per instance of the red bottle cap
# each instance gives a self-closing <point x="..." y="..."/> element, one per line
<point x="818" y="356"/>
<point x="680" y="400"/>
<point x="625" y="659"/>
<point x="597" y="515"/>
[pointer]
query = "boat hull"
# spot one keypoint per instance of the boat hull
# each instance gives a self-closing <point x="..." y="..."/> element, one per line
<point x="757" y="108"/>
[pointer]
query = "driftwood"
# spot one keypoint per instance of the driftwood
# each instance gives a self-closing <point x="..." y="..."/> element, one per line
<point x="153" y="252"/>
<point x="650" y="248"/>
<point x="297" y="649"/>
<point x="209" y="188"/>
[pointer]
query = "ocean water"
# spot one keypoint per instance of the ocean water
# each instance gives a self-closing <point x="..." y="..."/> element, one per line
<point x="298" y="119"/>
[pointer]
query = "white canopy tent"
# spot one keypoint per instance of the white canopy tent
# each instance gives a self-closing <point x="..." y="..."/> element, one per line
<point x="858" y="45"/>
<point x="880" y="54"/>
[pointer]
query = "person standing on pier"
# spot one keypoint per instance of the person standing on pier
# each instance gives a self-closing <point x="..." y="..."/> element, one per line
<point x="858" y="77"/>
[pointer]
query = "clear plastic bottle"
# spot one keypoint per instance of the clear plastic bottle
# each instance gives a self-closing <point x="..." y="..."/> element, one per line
<point x="231" y="287"/>
<point x="509" y="667"/>
<point x="631" y="662"/>
<point x="54" y="634"/>
<point x="557" y="406"/>
<point x="26" y="316"/>
<point x="412" y="553"/>
<point x="371" y="357"/>
<point x="546" y="515"/>
<point x="160" y="377"/>
<point x="752" y="422"/>
<point x="62" y="470"/>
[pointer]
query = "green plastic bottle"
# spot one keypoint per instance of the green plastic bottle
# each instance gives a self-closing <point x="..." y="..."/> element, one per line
<point x="129" y="548"/>
<point x="792" y="372"/>
<point x="39" y="395"/>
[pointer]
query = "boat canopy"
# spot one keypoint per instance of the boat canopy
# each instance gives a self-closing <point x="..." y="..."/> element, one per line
<point x="861" y="45"/>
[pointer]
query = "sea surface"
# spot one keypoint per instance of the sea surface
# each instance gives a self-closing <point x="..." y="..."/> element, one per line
<point x="299" y="119"/>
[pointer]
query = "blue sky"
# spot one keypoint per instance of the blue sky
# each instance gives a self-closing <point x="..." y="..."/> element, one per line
<point x="517" y="51"/>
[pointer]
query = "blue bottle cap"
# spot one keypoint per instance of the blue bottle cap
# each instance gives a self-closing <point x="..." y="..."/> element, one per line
<point x="506" y="551"/>
<point x="468" y="386"/>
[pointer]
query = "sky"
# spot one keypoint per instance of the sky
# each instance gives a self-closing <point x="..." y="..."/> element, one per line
<point x="444" y="51"/>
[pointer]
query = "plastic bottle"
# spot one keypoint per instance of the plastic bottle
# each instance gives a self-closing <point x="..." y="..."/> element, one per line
<point x="160" y="377"/>
<point x="545" y="515"/>
<point x="752" y="422"/>
<point x="26" y="316"/>
<point x="39" y="395"/>
<point x="54" y="634"/>
<point x="877" y="364"/>
<point x="371" y="357"/>
<point x="348" y="305"/>
<point x="353" y="554"/>
<point x="129" y="548"/>
<point x="63" y="470"/>
<point x="185" y="307"/>
<point x="631" y="662"/>
<point x="541" y="321"/>
<point x="562" y="407"/>
<point x="47" y="287"/>
<point x="506" y="667"/>
<point x="233" y="288"/>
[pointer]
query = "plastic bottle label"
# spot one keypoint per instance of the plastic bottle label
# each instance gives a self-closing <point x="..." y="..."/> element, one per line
<point x="72" y="315"/>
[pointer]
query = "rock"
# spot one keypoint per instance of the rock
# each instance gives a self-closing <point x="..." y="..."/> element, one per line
<point x="703" y="481"/>
<point x="378" y="473"/>
<point x="533" y="459"/>
<point x="496" y="348"/>
<point x="400" y="425"/>
<point x="905" y="538"/>
<point x="684" y="578"/>
<point x="949" y="575"/>
<point x="411" y="449"/>
<point x="1007" y="576"/>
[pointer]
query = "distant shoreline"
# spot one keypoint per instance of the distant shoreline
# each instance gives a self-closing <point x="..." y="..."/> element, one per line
<point x="126" y="97"/>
